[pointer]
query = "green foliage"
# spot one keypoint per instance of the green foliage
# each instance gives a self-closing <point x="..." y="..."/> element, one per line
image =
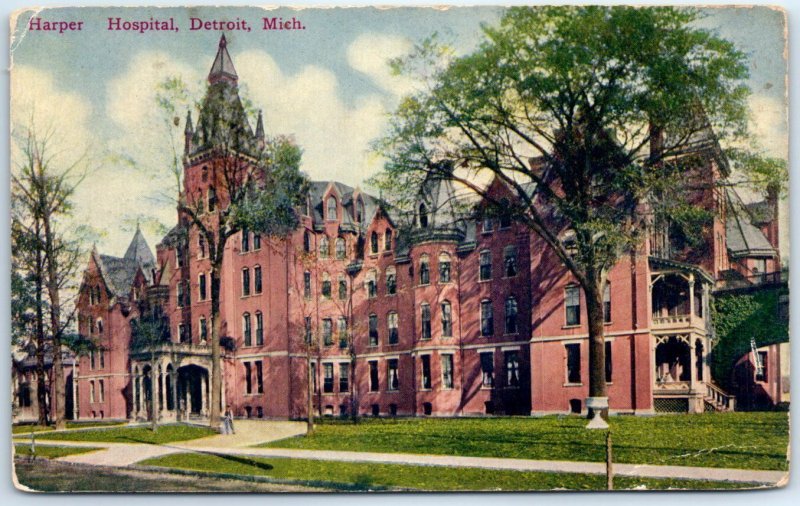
<point x="763" y="174"/>
<point x="733" y="440"/>
<point x="737" y="318"/>
<point x="165" y="434"/>
<point x="363" y="476"/>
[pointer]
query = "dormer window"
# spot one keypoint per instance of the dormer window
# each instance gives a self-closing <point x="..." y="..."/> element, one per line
<point x="360" y="210"/>
<point x="330" y="213"/>
<point x="423" y="216"/>
<point x="387" y="240"/>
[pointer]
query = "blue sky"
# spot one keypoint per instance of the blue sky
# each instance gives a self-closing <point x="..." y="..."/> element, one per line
<point x="328" y="85"/>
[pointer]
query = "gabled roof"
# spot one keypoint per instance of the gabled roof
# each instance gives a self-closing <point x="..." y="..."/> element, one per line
<point x="743" y="238"/>
<point x="119" y="273"/>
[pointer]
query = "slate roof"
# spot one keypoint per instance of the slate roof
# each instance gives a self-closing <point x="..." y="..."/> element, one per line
<point x="743" y="238"/>
<point x="119" y="273"/>
<point x="223" y="65"/>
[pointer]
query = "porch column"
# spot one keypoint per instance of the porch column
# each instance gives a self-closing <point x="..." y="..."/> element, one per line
<point x="188" y="393"/>
<point x="155" y="387"/>
<point x="692" y="361"/>
<point x="692" y="314"/>
<point x="173" y="378"/>
<point x="707" y="305"/>
<point x="162" y="406"/>
<point x="204" y="395"/>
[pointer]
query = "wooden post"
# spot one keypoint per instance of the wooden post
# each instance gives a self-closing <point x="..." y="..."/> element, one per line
<point x="609" y="463"/>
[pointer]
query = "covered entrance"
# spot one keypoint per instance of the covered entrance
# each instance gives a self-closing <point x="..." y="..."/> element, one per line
<point x="193" y="392"/>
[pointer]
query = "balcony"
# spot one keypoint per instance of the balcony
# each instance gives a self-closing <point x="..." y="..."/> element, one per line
<point x="678" y="322"/>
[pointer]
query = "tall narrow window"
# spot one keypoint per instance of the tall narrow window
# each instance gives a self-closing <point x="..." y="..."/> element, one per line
<point x="342" y="331"/>
<point x="572" y="300"/>
<point x="259" y="377"/>
<point x="607" y="303"/>
<point x="510" y="261"/>
<point x="324" y="247"/>
<point x="425" y="311"/>
<point x="372" y="284"/>
<point x="360" y="210"/>
<point x="392" y="376"/>
<point x="608" y="362"/>
<point x="485" y="272"/>
<point x="201" y="246"/>
<point x="102" y="385"/>
<point x="245" y="241"/>
<point x="512" y="368"/>
<point x="327" y="377"/>
<point x="248" y="378"/>
<point x="344" y="377"/>
<point x="307" y="329"/>
<point x="179" y="294"/>
<point x="424" y="271"/>
<point x="447" y="370"/>
<point x="257" y="275"/>
<point x="373" y="243"/>
<point x="331" y="211"/>
<point x="488" y="225"/>
<point x="391" y="323"/>
<point x="326" y="285"/>
<point x="387" y="240"/>
<point x="306" y="242"/>
<point x="391" y="281"/>
<point x="307" y="285"/>
<point x="327" y="331"/>
<point x="374" y="385"/>
<point x="423" y="216"/>
<point x="341" y="248"/>
<point x="426" y="372"/>
<point x="487" y="369"/>
<point x="247" y="329"/>
<point x="212" y="199"/>
<point x="487" y="318"/>
<point x="511" y="315"/>
<point x="444" y="268"/>
<point x="256" y="241"/>
<point x="203" y="329"/>
<point x="373" y="330"/>
<point x="761" y="370"/>
<point x="573" y="363"/>
<point x="202" y="287"/>
<point x="245" y="282"/>
<point x="183" y="334"/>
<point x="259" y="328"/>
<point x="447" y="319"/>
<point x="91" y="391"/>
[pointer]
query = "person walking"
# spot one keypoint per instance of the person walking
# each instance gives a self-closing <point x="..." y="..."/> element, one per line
<point x="227" y="421"/>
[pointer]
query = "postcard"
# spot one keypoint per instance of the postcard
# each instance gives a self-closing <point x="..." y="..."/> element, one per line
<point x="399" y="249"/>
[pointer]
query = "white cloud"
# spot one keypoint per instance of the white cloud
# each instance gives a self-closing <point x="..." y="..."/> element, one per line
<point x="371" y="53"/>
<point x="768" y="123"/>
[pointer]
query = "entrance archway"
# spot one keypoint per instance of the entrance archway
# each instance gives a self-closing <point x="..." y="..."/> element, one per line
<point x="193" y="391"/>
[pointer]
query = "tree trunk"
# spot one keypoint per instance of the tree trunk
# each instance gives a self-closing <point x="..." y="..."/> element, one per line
<point x="310" y="418"/>
<point x="55" y="322"/>
<point x="597" y="345"/>
<point x="41" y="384"/>
<point x="216" y="368"/>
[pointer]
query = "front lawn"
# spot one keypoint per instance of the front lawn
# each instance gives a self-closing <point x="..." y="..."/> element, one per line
<point x="28" y="428"/>
<point x="734" y="440"/>
<point x="164" y="434"/>
<point x="50" y="452"/>
<point x="363" y="476"/>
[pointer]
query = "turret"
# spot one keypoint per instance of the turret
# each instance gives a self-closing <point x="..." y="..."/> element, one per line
<point x="188" y="132"/>
<point x="260" y="131"/>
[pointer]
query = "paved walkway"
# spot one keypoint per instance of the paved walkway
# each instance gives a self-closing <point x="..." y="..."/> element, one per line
<point x="250" y="433"/>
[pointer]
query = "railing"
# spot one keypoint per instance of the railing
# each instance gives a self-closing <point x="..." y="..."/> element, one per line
<point x="720" y="397"/>
<point x="672" y="321"/>
<point x="768" y="277"/>
<point x="676" y="386"/>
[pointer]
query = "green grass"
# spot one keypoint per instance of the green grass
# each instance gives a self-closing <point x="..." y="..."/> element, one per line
<point x="28" y="428"/>
<point x="734" y="440"/>
<point x="164" y="434"/>
<point x="363" y="476"/>
<point x="50" y="452"/>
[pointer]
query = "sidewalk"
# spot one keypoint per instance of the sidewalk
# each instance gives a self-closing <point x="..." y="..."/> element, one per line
<point x="250" y="433"/>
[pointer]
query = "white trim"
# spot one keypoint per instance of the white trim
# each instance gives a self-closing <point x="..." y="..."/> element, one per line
<point x="511" y="348"/>
<point x="586" y="336"/>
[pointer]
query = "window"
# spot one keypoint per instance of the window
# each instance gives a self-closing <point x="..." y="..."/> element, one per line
<point x="447" y="319"/>
<point x="326" y="285"/>
<point x="259" y="328"/>
<point x="99" y="325"/>
<point x="485" y="272"/>
<point x="324" y="247"/>
<point x="203" y="329"/>
<point x="256" y="241"/>
<point x="200" y="203"/>
<point x="178" y="260"/>
<point x="391" y="281"/>
<point x="487" y="318"/>
<point x="360" y="210"/>
<point x="444" y="268"/>
<point x="245" y="241"/>
<point x="373" y="243"/>
<point x="341" y="248"/>
<point x="245" y="282"/>
<point x="212" y="199"/>
<point x="91" y="359"/>
<point x="512" y="368"/>
<point x="248" y="378"/>
<point x="391" y="321"/>
<point x="91" y="391"/>
<point x="447" y="370"/>
<point x="572" y="300"/>
<point x="387" y="240"/>
<point x="183" y="333"/>
<point x="373" y="330"/>
<point x="327" y="331"/>
<point x="425" y="310"/>
<point x="505" y="217"/>
<point x="306" y="242"/>
<point x="423" y="216"/>
<point x="488" y="225"/>
<point x="307" y="329"/>
<point x="607" y="303"/>
<point x="487" y="369"/>
<point x="573" y="363"/>
<point x="372" y="284"/>
<point x="202" y="287"/>
<point x="179" y="294"/>
<point x="257" y="276"/>
<point x="342" y="288"/>
<point x="510" y="261"/>
<point x="424" y="271"/>
<point x="511" y="315"/>
<point x="392" y="375"/>
<point x="426" y="371"/>
<point x="259" y="377"/>
<point x="201" y="246"/>
<point x="331" y="211"/>
<point x="307" y="285"/>
<point x="342" y="331"/>
<point x="761" y="369"/>
<point x="608" y="361"/>
<point x="344" y="377"/>
<point x="373" y="376"/>
<point x="327" y="378"/>
<point x="247" y="330"/>
<point x="102" y="359"/>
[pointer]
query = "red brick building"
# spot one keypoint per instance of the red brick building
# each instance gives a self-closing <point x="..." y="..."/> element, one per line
<point x="443" y="313"/>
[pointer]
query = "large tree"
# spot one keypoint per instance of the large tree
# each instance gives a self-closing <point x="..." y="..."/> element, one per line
<point x="589" y="115"/>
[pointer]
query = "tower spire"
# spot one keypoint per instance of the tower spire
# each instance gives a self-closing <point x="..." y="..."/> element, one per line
<point x="222" y="70"/>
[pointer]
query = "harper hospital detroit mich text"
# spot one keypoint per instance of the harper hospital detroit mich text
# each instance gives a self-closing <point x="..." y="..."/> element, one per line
<point x="39" y="24"/>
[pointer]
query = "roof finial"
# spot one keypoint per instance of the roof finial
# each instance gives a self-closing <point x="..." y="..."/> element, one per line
<point x="222" y="42"/>
<point x="222" y="69"/>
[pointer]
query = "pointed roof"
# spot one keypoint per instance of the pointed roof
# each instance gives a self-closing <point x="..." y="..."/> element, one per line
<point x="744" y="239"/>
<point x="260" y="126"/>
<point x="139" y="250"/>
<point x="222" y="69"/>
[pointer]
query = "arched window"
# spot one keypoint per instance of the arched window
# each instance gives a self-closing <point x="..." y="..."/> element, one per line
<point x="341" y="248"/>
<point x="424" y="270"/>
<point x="201" y="246"/>
<point x="324" y="247"/>
<point x="307" y="284"/>
<point x="259" y="328"/>
<point x="511" y="315"/>
<point x="373" y="243"/>
<point x="487" y="318"/>
<point x="423" y="216"/>
<point x="245" y="241"/>
<point x="245" y="282"/>
<point x="387" y="240"/>
<point x="391" y="281"/>
<point x="257" y="281"/>
<point x="485" y="271"/>
<point x="510" y="261"/>
<point x="372" y="284"/>
<point x="444" y="268"/>
<point x="203" y="329"/>
<point x="447" y="319"/>
<point x="326" y="285"/>
<point x="212" y="199"/>
<point x="306" y="242"/>
<point x="99" y="325"/>
<point x="373" y="329"/>
<point x="247" y="331"/>
<point x="342" y="288"/>
<point x="391" y="324"/>
<point x="425" y="313"/>
<point x="330" y="213"/>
